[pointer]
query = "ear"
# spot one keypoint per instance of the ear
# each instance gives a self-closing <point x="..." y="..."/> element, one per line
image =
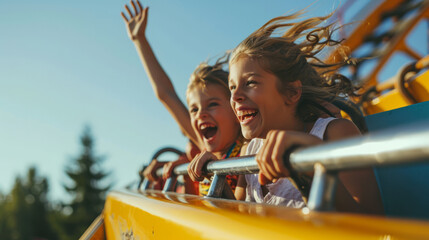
<point x="293" y="93"/>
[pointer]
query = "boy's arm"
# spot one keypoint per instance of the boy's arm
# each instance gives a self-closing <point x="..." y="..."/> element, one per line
<point x="161" y="83"/>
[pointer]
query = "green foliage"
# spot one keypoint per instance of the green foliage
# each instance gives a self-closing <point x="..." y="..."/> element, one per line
<point x="88" y="193"/>
<point x="25" y="212"/>
<point x="5" y="228"/>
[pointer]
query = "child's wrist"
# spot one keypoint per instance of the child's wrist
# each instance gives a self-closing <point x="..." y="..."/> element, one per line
<point x="138" y="40"/>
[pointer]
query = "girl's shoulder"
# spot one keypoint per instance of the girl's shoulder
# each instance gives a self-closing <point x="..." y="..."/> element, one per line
<point x="340" y="128"/>
<point x="254" y="145"/>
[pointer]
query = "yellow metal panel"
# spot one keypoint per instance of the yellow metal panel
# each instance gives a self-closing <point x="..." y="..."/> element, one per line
<point x="393" y="99"/>
<point x="157" y="215"/>
<point x="419" y="88"/>
<point x="388" y="101"/>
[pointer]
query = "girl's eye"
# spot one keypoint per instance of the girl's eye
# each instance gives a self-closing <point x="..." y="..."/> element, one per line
<point x="213" y="104"/>
<point x="250" y="83"/>
<point x="232" y="87"/>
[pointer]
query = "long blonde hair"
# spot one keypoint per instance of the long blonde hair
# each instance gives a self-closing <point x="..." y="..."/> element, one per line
<point x="290" y="50"/>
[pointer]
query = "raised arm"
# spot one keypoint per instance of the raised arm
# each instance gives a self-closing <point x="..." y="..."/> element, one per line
<point x="161" y="83"/>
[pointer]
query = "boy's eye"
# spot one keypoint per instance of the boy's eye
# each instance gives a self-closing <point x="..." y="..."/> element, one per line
<point x="232" y="87"/>
<point x="193" y="110"/>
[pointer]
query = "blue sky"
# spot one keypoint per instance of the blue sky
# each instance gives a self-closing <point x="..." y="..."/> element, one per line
<point x="64" y="64"/>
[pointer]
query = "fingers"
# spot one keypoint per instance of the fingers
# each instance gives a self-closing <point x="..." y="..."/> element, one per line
<point x="263" y="158"/>
<point x="169" y="167"/>
<point x="134" y="7"/>
<point x="144" y="15"/>
<point x="262" y="179"/>
<point x="198" y="167"/>
<point x="129" y="11"/>
<point x="270" y="157"/>
<point x="195" y="168"/>
<point x="277" y="155"/>
<point x="167" y="171"/>
<point x="191" y="171"/>
<point x="124" y="17"/>
<point x="146" y="174"/>
<point x="138" y="11"/>
<point x="150" y="171"/>
<point x="140" y="6"/>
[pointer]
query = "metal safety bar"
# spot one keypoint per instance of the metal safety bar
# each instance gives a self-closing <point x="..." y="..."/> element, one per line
<point x="230" y="166"/>
<point x="144" y="183"/>
<point x="404" y="145"/>
<point x="394" y="146"/>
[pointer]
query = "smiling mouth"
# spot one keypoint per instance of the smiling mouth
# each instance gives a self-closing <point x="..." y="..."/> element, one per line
<point x="208" y="131"/>
<point x="246" y="116"/>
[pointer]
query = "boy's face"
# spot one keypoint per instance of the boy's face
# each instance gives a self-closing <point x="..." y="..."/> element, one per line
<point x="256" y="100"/>
<point x="212" y="117"/>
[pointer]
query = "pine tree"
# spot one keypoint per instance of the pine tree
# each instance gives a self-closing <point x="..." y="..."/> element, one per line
<point x="5" y="223"/>
<point x="26" y="210"/>
<point x="18" y="212"/>
<point x="37" y="200"/>
<point x="86" y="189"/>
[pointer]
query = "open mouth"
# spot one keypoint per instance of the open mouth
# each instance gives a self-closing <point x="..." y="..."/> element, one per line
<point x="208" y="130"/>
<point x="246" y="116"/>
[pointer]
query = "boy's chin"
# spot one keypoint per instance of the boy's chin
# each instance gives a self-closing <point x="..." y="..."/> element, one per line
<point x="210" y="148"/>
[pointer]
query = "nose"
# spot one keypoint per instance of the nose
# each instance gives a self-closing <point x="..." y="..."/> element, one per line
<point x="202" y="113"/>
<point x="237" y="95"/>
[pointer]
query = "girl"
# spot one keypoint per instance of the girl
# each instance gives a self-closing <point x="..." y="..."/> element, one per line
<point x="277" y="84"/>
<point x="209" y="120"/>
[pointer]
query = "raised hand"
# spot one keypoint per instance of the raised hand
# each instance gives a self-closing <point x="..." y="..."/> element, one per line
<point x="270" y="156"/>
<point x="136" y="25"/>
<point x="195" y="168"/>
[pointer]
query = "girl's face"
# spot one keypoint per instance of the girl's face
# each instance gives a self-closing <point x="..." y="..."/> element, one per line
<point x="212" y="117"/>
<point x="256" y="100"/>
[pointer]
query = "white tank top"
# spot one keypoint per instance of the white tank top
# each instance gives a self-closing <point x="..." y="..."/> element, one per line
<point x="281" y="192"/>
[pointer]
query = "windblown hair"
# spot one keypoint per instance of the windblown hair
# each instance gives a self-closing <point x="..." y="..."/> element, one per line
<point x="206" y="74"/>
<point x="290" y="50"/>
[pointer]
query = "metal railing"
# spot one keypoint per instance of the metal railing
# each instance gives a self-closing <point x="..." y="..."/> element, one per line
<point x="404" y="145"/>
